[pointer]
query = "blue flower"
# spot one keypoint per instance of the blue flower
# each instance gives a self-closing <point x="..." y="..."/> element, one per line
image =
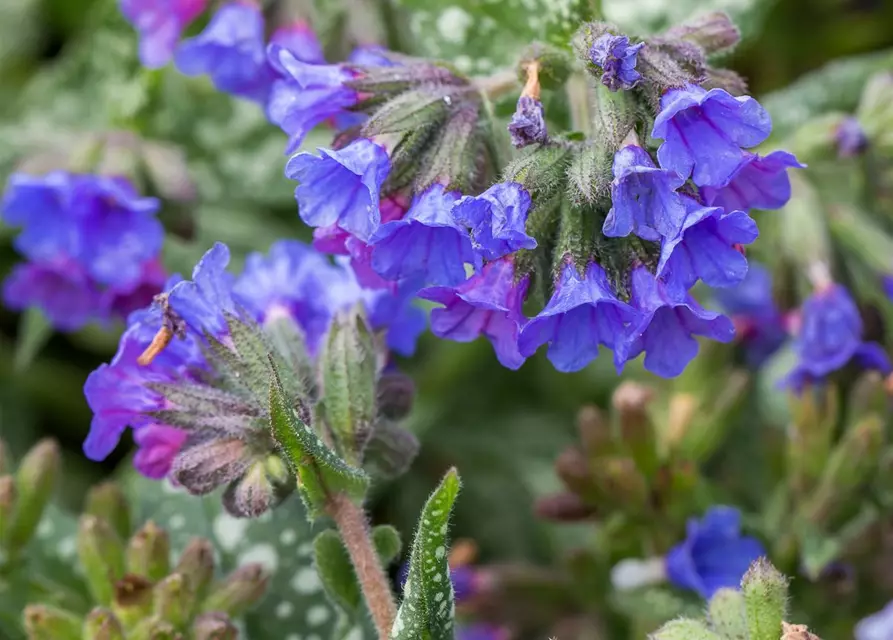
<point x="707" y="247"/>
<point x="850" y="137"/>
<point x="497" y="219"/>
<point x="528" y="125"/>
<point x="877" y="626"/>
<point x="301" y="41"/>
<point x="489" y="304"/>
<point x="341" y="187"/>
<point x="202" y="302"/>
<point x="160" y="24"/>
<point x="232" y="50"/>
<point x="665" y="327"/>
<point x="427" y="244"/>
<point x="62" y="290"/>
<point x="583" y="313"/>
<point x="830" y="335"/>
<point x="714" y="554"/>
<point x="617" y="59"/>
<point x="370" y="55"/>
<point x="306" y="95"/>
<point x="704" y="133"/>
<point x="759" y="323"/>
<point x="760" y="183"/>
<point x="44" y="207"/>
<point x="643" y="198"/>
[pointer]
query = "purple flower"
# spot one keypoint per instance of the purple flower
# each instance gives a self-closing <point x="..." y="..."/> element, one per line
<point x="43" y="207"/>
<point x="427" y="244"/>
<point x="497" y="219"/>
<point x="704" y="133"/>
<point x="232" y="50"/>
<point x="877" y="626"/>
<point x="202" y="302"/>
<point x="666" y="326"/>
<point x="160" y="24"/>
<point x="830" y="335"/>
<point x="341" y="187"/>
<point x="759" y="324"/>
<point x="301" y="41"/>
<point x="643" y="197"/>
<point x="617" y="59"/>
<point x="760" y="183"/>
<point x="306" y="95"/>
<point x="370" y="55"/>
<point x="583" y="313"/>
<point x="489" y="304"/>
<point x="158" y="445"/>
<point x="528" y="125"/>
<point x="707" y="248"/>
<point x="62" y="290"/>
<point x="120" y="301"/>
<point x="481" y="631"/>
<point x="850" y="137"/>
<point x="714" y="554"/>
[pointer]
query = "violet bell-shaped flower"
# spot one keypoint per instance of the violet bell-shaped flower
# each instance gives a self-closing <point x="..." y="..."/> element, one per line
<point x="341" y="187"/>
<point x="160" y="23"/>
<point x="617" y="59"/>
<point x="665" y="326"/>
<point x="706" y="248"/>
<point x="528" y="123"/>
<point x="488" y="304"/>
<point x="583" y="313"/>
<point x="427" y="244"/>
<point x="761" y="182"/>
<point x="232" y="50"/>
<point x="705" y="133"/>
<point x="644" y="200"/>
<point x="714" y="554"/>
<point x="497" y="219"/>
<point x="62" y="290"/>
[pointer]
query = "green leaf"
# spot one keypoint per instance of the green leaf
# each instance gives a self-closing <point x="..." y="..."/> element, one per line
<point x="386" y="540"/>
<point x="428" y="608"/>
<point x="319" y="470"/>
<point x="35" y="331"/>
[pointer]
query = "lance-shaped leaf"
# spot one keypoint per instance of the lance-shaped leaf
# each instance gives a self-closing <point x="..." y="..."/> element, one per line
<point x="318" y="469"/>
<point x="428" y="608"/>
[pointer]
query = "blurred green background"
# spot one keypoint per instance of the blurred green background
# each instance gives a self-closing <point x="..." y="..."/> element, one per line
<point x="68" y="72"/>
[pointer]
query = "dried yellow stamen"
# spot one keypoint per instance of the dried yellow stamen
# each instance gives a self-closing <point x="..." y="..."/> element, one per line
<point x="532" y="86"/>
<point x="159" y="342"/>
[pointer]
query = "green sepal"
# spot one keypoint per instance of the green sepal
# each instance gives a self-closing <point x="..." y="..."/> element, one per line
<point x="765" y="592"/>
<point x="418" y="108"/>
<point x="685" y="629"/>
<point x="318" y="469"/>
<point x="725" y="611"/>
<point x="542" y="170"/>
<point x="589" y="175"/>
<point x="428" y="608"/>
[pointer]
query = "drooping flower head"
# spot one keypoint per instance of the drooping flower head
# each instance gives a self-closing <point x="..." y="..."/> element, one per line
<point x="761" y="182"/>
<point x="706" y="248"/>
<point x="665" y="327"/>
<point x="830" y="335"/>
<point x="583" y="313"/>
<point x="488" y="304"/>
<point x="705" y="133"/>
<point x="92" y="244"/>
<point x="232" y="50"/>
<point x="497" y="219"/>
<point x="714" y="554"/>
<point x="617" y="59"/>
<point x="528" y="124"/>
<point x="341" y="187"/>
<point x="160" y="24"/>
<point x="643" y="198"/>
<point x="427" y="244"/>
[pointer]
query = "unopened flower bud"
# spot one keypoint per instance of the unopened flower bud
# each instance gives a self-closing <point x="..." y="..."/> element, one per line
<point x="101" y="624"/>
<point x="620" y="482"/>
<point x="714" y="32"/>
<point x="154" y="628"/>
<point x="252" y="494"/>
<point x="101" y="554"/>
<point x="108" y="502"/>
<point x="563" y="507"/>
<point x="349" y="367"/>
<point x="174" y="599"/>
<point x="594" y="431"/>
<point x="396" y="393"/>
<point x="765" y="592"/>
<point x="43" y="622"/>
<point x="391" y="450"/>
<point x="132" y="599"/>
<point x="681" y="412"/>
<point x="726" y="613"/>
<point x="148" y="552"/>
<point x="7" y="503"/>
<point x="238" y="591"/>
<point x="197" y="563"/>
<point x="574" y="470"/>
<point x="684" y="630"/>
<point x="35" y="480"/>
<point x="630" y="401"/>
<point x="209" y="465"/>
<point x="214" y="626"/>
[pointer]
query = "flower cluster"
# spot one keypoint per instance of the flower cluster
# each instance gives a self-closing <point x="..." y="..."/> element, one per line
<point x="176" y="352"/>
<point x="92" y="246"/>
